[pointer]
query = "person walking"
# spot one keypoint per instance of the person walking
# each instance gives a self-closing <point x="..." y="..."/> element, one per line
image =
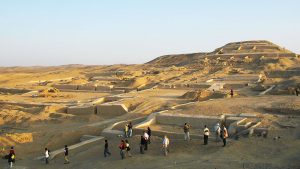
<point x="231" y="93"/>
<point x="106" y="150"/>
<point x="206" y="134"/>
<point x="126" y="131"/>
<point x="224" y="135"/>
<point x="11" y="159"/>
<point x="149" y="132"/>
<point x="186" y="129"/>
<point x="217" y="130"/>
<point x="127" y="148"/>
<point x="66" y="153"/>
<point x="146" y="137"/>
<point x="165" y="145"/>
<point x="122" y="149"/>
<point x="142" y="145"/>
<point x="130" y="129"/>
<point x="47" y="155"/>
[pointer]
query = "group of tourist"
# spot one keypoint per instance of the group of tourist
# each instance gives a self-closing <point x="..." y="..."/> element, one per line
<point x="66" y="154"/>
<point x="124" y="146"/>
<point x="145" y="141"/>
<point x="220" y="132"/>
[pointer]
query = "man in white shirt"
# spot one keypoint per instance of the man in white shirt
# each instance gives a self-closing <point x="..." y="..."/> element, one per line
<point x="206" y="134"/>
<point x="165" y="145"/>
<point x="146" y="137"/>
<point x="47" y="155"/>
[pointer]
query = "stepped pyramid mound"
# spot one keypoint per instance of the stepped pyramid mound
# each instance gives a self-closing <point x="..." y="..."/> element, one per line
<point x="243" y="51"/>
<point x="250" y="47"/>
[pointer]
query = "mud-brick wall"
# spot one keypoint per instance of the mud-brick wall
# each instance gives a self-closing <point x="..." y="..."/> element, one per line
<point x="87" y="87"/>
<point x="194" y="121"/>
<point x="112" y="109"/>
<point x="104" y="88"/>
<point x="66" y="87"/>
<point x="82" y="110"/>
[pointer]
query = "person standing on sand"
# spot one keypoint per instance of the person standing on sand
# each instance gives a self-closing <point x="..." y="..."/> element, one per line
<point x="12" y="151"/>
<point x="66" y="153"/>
<point x="126" y="131"/>
<point x="47" y="155"/>
<point x="149" y="132"/>
<point x="217" y="131"/>
<point x="130" y="129"/>
<point x="11" y="159"/>
<point x="224" y="135"/>
<point x="146" y="137"/>
<point x="231" y="93"/>
<point x="165" y="145"/>
<point x="297" y="91"/>
<point x="142" y="145"/>
<point x="127" y="148"/>
<point x="186" y="129"/>
<point x="122" y="149"/>
<point x="106" y="150"/>
<point x="206" y="134"/>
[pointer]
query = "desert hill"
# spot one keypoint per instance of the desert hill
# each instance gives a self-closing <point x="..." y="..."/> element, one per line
<point x="244" y="51"/>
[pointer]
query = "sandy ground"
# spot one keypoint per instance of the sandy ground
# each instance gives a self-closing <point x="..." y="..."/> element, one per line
<point x="254" y="152"/>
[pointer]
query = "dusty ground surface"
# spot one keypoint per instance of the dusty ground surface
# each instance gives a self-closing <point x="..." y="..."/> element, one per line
<point x="31" y="120"/>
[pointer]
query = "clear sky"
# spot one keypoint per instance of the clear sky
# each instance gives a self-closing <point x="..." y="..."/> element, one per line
<point x="97" y="32"/>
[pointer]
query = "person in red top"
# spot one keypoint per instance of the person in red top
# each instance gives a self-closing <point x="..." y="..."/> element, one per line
<point x="12" y="151"/>
<point x="122" y="148"/>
